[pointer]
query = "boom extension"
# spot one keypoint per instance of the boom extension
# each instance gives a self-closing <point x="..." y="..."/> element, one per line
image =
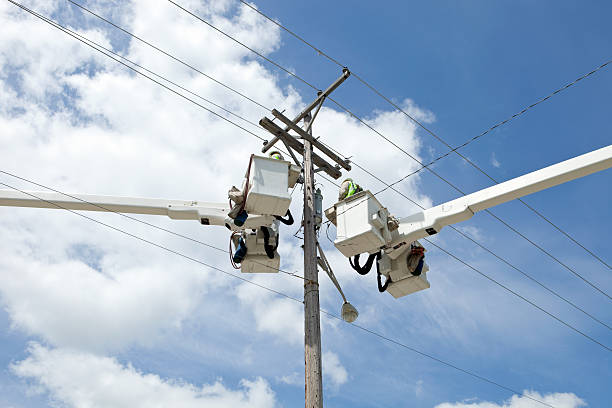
<point x="205" y="213"/>
<point x="364" y="225"/>
<point x="432" y="220"/>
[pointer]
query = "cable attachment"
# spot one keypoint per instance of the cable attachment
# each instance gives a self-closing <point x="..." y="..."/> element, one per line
<point x="288" y="220"/>
<point x="363" y="270"/>
<point x="267" y="247"/>
<point x="381" y="287"/>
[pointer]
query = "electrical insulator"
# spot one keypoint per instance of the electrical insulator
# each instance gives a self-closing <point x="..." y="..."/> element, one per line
<point x="318" y="206"/>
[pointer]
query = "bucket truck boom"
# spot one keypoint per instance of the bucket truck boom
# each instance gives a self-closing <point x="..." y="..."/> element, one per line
<point x="264" y="200"/>
<point x="432" y="220"/>
<point x="364" y="225"/>
<point x="205" y="213"/>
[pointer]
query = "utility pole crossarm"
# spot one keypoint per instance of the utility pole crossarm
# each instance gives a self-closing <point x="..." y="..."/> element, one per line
<point x="293" y="126"/>
<point x="295" y="144"/>
<point x="205" y="213"/>
<point x="432" y="220"/>
<point x="306" y="111"/>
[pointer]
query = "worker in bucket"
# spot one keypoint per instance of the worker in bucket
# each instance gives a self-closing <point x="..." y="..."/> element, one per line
<point x="348" y="188"/>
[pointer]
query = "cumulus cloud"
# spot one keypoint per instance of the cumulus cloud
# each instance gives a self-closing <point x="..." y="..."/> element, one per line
<point x="558" y="400"/>
<point x="294" y="378"/>
<point x="281" y="317"/>
<point x="333" y="370"/>
<point x="70" y="304"/>
<point x="79" y="122"/>
<point x="418" y="388"/>
<point x="494" y="161"/>
<point x="77" y="379"/>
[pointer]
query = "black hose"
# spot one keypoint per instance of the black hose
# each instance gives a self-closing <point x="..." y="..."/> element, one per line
<point x="288" y="221"/>
<point x="381" y="287"/>
<point x="267" y="247"/>
<point x="363" y="270"/>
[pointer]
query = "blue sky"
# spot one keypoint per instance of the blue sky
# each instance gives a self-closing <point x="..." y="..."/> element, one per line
<point x="81" y="300"/>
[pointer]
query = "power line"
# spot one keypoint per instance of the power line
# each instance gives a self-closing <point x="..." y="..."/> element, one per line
<point x="190" y="66"/>
<point x="516" y="294"/>
<point x="177" y="234"/>
<point x="28" y="10"/>
<point x="390" y="340"/>
<point x="458" y="231"/>
<point x="146" y="240"/>
<point x="168" y="54"/>
<point x="87" y="42"/>
<point x="395" y="145"/>
<point x="175" y="252"/>
<point x="455" y="149"/>
<point x="244" y="45"/>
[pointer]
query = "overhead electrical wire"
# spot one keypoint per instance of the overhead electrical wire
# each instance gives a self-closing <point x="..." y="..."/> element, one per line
<point x="520" y="234"/>
<point x="571" y="270"/>
<point x="238" y="277"/>
<point x="177" y="234"/>
<point x="516" y="294"/>
<point x="455" y="149"/>
<point x="182" y="62"/>
<point x="87" y="42"/>
<point x="467" y="236"/>
<point x="261" y="105"/>
<point x="144" y="239"/>
<point x="175" y="252"/>
<point x="169" y="55"/>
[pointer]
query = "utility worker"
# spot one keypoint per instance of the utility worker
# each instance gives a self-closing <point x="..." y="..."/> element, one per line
<point x="275" y="154"/>
<point x="348" y="188"/>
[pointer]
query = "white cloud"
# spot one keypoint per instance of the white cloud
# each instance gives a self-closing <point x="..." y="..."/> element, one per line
<point x="294" y="378"/>
<point x="557" y="400"/>
<point x="70" y="304"/>
<point x="418" y="388"/>
<point x="79" y="122"/>
<point x="494" y="161"/>
<point x="77" y="379"/>
<point x="275" y="315"/>
<point x="333" y="370"/>
<point x="473" y="231"/>
<point x="108" y="131"/>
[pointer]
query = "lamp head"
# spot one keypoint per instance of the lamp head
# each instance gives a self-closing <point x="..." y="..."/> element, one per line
<point x="349" y="313"/>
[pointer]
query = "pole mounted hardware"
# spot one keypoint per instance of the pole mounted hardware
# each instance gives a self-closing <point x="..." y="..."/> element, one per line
<point x="322" y="95"/>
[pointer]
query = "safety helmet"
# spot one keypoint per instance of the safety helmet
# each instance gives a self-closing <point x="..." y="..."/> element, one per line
<point x="275" y="154"/>
<point x="348" y="188"/>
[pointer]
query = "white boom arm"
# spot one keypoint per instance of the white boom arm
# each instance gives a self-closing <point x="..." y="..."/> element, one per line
<point x="432" y="220"/>
<point x="205" y="213"/>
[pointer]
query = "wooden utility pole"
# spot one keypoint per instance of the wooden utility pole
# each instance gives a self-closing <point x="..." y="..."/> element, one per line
<point x="303" y="144"/>
<point x="312" y="324"/>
